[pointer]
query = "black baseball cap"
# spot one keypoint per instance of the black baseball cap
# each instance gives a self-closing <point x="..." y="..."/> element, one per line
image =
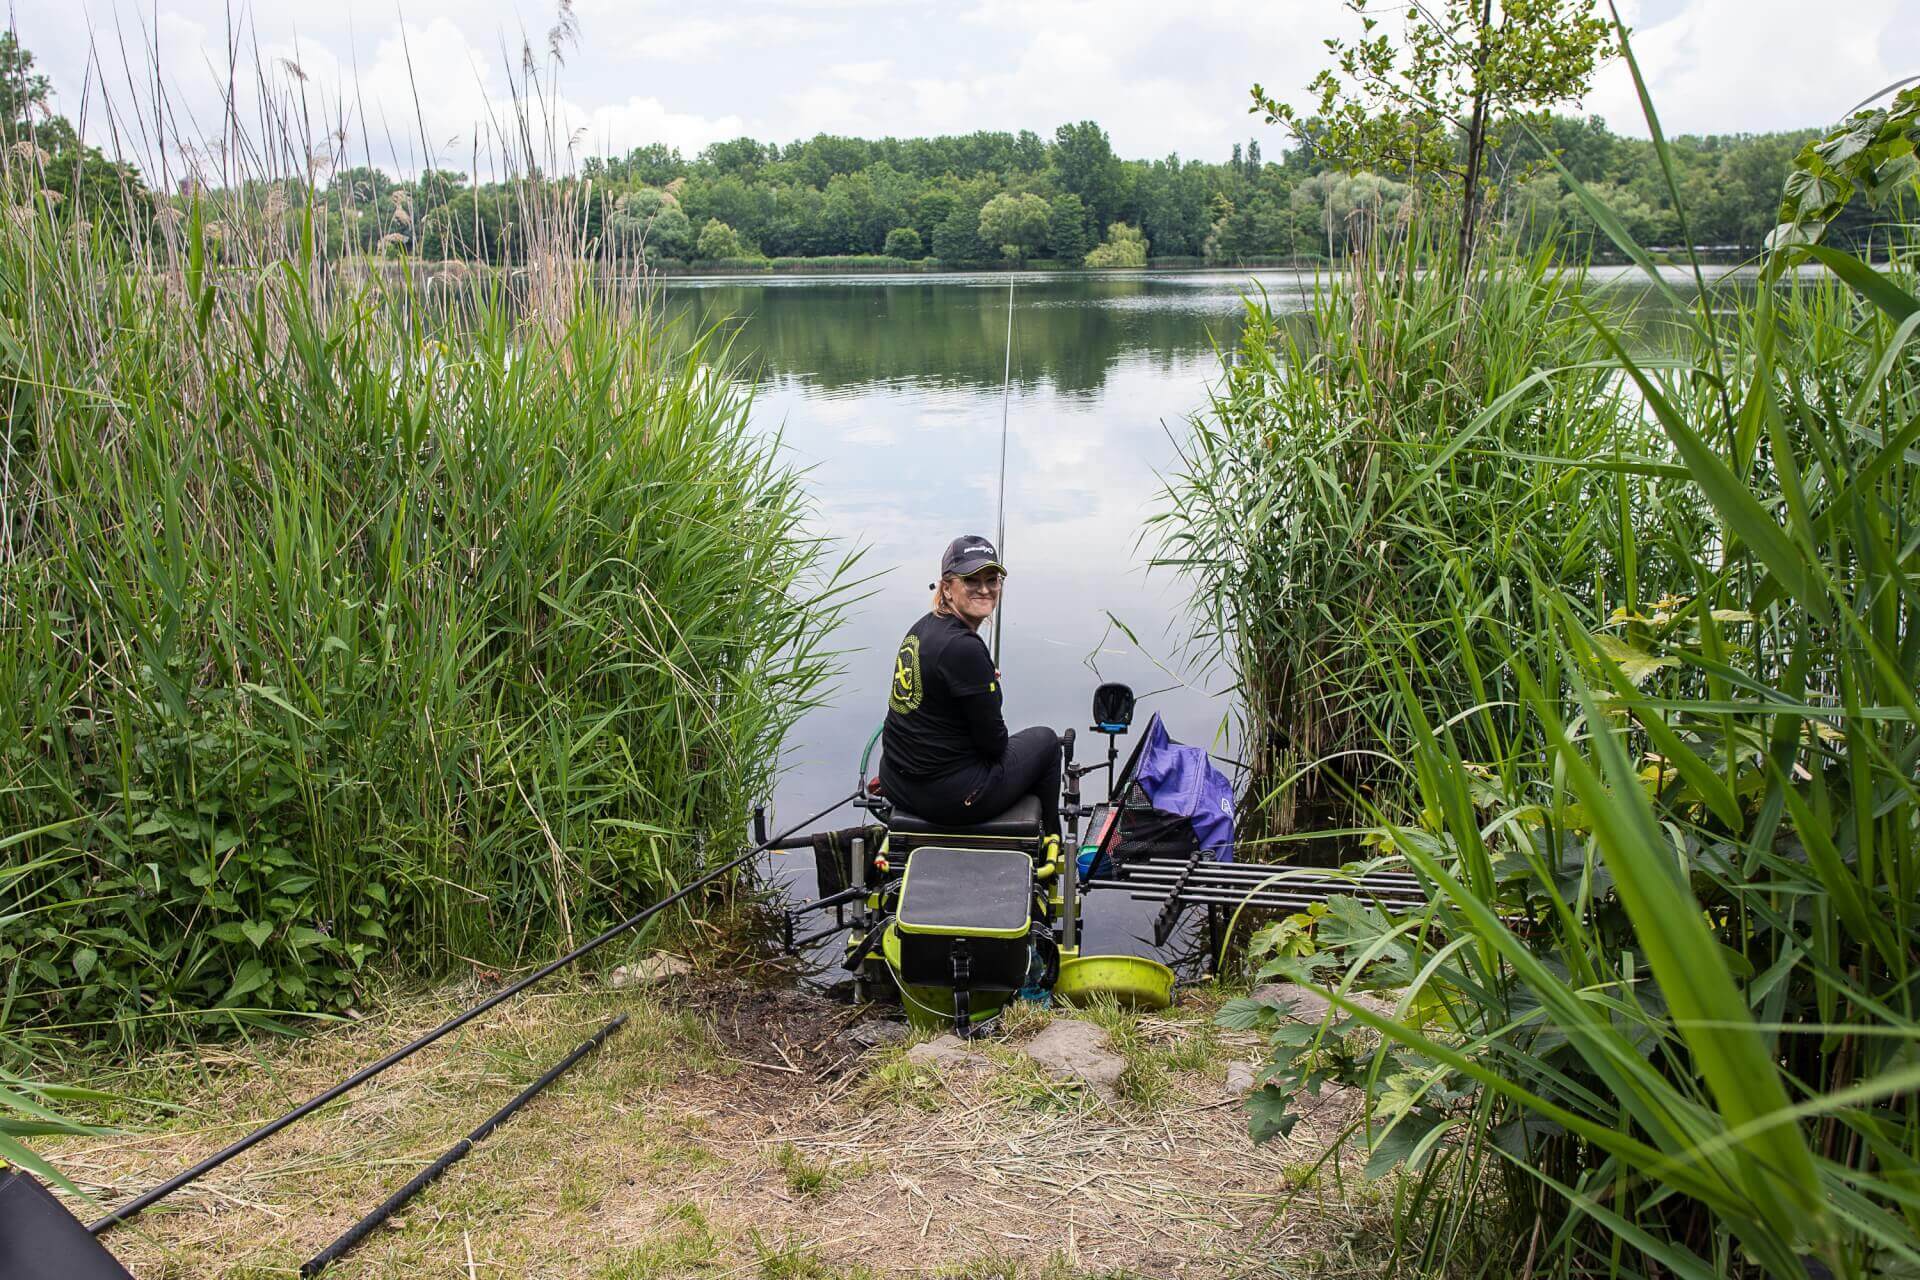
<point x="968" y="554"/>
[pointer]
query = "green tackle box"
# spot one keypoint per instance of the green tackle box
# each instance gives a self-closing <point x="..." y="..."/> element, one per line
<point x="964" y="918"/>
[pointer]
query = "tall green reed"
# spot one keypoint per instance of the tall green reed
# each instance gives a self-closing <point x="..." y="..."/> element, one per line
<point x="355" y="616"/>
<point x="1387" y="470"/>
<point x="1661" y="1015"/>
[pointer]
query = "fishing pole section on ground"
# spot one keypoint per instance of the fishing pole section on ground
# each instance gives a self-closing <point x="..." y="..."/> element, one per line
<point x="394" y="1203"/>
<point x="40" y="1238"/>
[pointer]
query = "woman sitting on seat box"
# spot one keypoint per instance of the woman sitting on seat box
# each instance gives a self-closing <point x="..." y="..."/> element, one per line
<point x="946" y="754"/>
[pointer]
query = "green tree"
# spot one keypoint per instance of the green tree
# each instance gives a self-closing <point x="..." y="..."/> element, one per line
<point x="1084" y="164"/>
<point x="904" y="242"/>
<point x="862" y="207"/>
<point x="1338" y="210"/>
<point x="821" y="158"/>
<point x="718" y="240"/>
<point x="56" y="160"/>
<point x="437" y="186"/>
<point x="957" y="236"/>
<point x="22" y="90"/>
<point x="798" y="224"/>
<point x="655" y="164"/>
<point x="741" y="155"/>
<point x="467" y="226"/>
<point x="1068" y="238"/>
<point x="1262" y="225"/>
<point x="1029" y="152"/>
<point x="1435" y="101"/>
<point x="936" y="202"/>
<point x="748" y="207"/>
<point x="1018" y="224"/>
<point x="1124" y="247"/>
<point x="1170" y="199"/>
<point x="653" y="219"/>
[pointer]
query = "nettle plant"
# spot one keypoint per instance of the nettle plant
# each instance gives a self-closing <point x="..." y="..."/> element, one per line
<point x="1411" y="1104"/>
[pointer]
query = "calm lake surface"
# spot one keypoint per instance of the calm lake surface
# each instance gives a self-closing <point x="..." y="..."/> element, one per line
<point x="889" y="388"/>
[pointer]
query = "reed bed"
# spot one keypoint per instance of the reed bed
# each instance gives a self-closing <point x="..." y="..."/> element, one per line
<point x="1390" y="470"/>
<point x="353" y="616"/>
<point x="1627" y="644"/>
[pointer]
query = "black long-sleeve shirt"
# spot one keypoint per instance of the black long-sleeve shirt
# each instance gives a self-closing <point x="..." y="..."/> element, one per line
<point x="943" y="706"/>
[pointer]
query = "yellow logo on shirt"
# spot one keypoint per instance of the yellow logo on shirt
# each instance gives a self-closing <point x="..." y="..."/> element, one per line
<point x="904" y="694"/>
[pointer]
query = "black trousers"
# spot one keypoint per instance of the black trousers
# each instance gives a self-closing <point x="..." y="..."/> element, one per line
<point x="982" y="792"/>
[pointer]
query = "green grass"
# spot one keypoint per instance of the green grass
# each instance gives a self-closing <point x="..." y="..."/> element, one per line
<point x="993" y="1266"/>
<point x="895" y="1079"/>
<point x="353" y="618"/>
<point x="788" y="1260"/>
<point x="1153" y="1061"/>
<point x="805" y="1177"/>
<point x="683" y="1244"/>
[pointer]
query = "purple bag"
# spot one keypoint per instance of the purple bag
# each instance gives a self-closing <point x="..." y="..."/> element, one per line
<point x="1181" y="779"/>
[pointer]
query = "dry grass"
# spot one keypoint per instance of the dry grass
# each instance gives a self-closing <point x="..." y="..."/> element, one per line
<point x="732" y="1130"/>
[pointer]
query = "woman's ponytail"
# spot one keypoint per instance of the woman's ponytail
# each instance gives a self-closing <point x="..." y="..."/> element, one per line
<point x="942" y="607"/>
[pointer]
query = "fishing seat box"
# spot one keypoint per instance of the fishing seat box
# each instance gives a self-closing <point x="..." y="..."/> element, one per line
<point x="1017" y="828"/>
<point x="973" y="905"/>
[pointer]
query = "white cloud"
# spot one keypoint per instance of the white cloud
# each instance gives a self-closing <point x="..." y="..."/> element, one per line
<point x="688" y="38"/>
<point x="828" y="108"/>
<point x="1718" y="66"/>
<point x="620" y="127"/>
<point x="1158" y="77"/>
<point x="873" y="72"/>
<point x="696" y="39"/>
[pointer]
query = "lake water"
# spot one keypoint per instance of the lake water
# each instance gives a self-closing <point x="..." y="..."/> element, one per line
<point x="890" y="389"/>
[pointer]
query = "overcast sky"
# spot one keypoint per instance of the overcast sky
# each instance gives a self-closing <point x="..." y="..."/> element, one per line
<point x="1160" y="76"/>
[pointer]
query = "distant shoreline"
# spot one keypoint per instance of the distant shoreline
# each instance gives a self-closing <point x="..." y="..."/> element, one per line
<point x="827" y="267"/>
<point x="931" y="267"/>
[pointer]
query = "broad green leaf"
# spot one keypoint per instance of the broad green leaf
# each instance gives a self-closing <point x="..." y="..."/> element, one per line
<point x="1636" y="664"/>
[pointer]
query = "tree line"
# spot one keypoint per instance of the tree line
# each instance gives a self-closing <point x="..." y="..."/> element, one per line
<point x="979" y="198"/>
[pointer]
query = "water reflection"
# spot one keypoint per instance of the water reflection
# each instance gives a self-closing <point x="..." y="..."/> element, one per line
<point x="1071" y="333"/>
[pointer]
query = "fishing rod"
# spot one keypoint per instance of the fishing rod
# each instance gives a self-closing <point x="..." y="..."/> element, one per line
<point x="405" y="1051"/>
<point x="394" y="1203"/>
<point x="1000" y="532"/>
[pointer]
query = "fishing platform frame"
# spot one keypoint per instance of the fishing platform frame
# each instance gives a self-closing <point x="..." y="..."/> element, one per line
<point x="1196" y="881"/>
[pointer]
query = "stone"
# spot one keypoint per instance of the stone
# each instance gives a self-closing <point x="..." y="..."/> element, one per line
<point x="1310" y="1006"/>
<point x="876" y="1032"/>
<point x="649" y="971"/>
<point x="1294" y="1001"/>
<point x="1240" y="1081"/>
<point x="1073" y="1050"/>
<point x="946" y="1051"/>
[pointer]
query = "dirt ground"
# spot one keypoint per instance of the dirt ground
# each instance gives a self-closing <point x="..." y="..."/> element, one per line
<point x="732" y="1129"/>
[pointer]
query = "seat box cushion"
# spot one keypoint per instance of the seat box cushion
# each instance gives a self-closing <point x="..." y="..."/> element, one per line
<point x="975" y="903"/>
<point x="966" y="892"/>
<point x="1020" y="822"/>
